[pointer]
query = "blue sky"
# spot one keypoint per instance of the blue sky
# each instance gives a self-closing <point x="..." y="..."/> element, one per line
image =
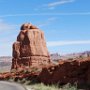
<point x="66" y="23"/>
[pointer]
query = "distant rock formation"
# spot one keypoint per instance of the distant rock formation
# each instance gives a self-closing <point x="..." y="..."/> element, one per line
<point x="55" y="57"/>
<point x="30" y="48"/>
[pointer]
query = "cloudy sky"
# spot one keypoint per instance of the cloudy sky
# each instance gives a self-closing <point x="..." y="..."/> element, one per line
<point x="66" y="23"/>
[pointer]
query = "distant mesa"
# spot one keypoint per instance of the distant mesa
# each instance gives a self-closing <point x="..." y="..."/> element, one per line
<point x="30" y="48"/>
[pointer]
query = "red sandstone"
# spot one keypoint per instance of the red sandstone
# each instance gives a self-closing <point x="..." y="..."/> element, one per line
<point x="30" y="48"/>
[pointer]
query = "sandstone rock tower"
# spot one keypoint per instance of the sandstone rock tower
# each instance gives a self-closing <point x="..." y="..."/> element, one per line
<point x="30" y="48"/>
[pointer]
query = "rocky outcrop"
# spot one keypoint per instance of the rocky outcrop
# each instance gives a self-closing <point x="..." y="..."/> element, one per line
<point x="30" y="48"/>
<point x="77" y="71"/>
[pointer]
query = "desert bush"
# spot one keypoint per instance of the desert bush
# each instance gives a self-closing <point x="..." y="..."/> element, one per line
<point x="41" y="86"/>
<point x="70" y="58"/>
<point x="13" y="71"/>
<point x="69" y="87"/>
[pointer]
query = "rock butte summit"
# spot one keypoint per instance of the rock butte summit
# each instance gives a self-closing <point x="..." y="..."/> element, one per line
<point x="30" y="48"/>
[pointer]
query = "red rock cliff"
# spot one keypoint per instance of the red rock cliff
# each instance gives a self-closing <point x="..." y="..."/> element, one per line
<point x="77" y="71"/>
<point x="30" y="48"/>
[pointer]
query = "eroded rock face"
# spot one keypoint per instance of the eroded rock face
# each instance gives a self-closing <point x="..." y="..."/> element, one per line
<point x="30" y="48"/>
<point x="77" y="71"/>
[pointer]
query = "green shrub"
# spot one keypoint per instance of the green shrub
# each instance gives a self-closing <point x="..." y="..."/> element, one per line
<point x="41" y="86"/>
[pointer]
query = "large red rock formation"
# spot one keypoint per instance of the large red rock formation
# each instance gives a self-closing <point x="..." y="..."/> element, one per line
<point x="30" y="48"/>
<point x="76" y="71"/>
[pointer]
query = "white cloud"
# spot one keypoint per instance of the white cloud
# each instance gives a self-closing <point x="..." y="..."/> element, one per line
<point x="5" y="27"/>
<point x="51" y="5"/>
<point x="48" y="21"/>
<point x="48" y="14"/>
<point x="62" y="43"/>
<point x="60" y="2"/>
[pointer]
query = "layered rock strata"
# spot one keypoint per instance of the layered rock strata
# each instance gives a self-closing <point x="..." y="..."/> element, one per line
<point x="30" y="48"/>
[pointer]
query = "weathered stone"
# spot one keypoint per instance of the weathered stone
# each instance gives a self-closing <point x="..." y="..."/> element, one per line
<point x="67" y="72"/>
<point x="28" y="26"/>
<point x="16" y="47"/>
<point x="30" y="48"/>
